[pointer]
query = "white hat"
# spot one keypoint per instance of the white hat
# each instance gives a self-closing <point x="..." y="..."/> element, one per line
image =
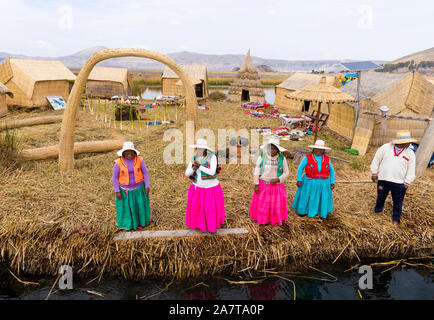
<point x="127" y="146"/>
<point x="201" y="144"/>
<point x="320" y="144"/>
<point x="403" y="136"/>
<point x="274" y="142"/>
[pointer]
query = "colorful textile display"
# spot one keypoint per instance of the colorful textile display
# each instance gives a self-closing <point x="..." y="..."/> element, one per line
<point x="348" y="78"/>
<point x="280" y="131"/>
<point x="254" y="105"/>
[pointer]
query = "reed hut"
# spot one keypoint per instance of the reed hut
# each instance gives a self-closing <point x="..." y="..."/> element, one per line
<point x="410" y="95"/>
<point x="325" y="95"/>
<point x="4" y="91"/>
<point x="172" y="84"/>
<point x="247" y="86"/>
<point x="31" y="81"/>
<point x="108" y="82"/>
<point x="296" y="82"/>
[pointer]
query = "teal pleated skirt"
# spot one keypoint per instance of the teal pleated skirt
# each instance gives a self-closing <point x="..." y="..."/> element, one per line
<point x="314" y="197"/>
<point x="134" y="209"/>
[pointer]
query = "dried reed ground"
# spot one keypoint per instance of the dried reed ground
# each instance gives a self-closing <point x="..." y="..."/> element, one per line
<point x="40" y="209"/>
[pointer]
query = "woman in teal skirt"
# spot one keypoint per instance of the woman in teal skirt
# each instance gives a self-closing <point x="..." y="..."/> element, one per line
<point x="314" y="196"/>
<point x="131" y="183"/>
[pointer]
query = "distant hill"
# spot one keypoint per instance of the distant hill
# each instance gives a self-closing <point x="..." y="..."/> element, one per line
<point x="225" y="62"/>
<point x="422" y="62"/>
<point x="425" y="55"/>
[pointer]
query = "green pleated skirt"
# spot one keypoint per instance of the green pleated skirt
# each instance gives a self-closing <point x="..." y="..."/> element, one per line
<point x="133" y="210"/>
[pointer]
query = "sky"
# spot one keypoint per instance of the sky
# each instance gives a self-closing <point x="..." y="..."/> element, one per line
<point x="290" y="30"/>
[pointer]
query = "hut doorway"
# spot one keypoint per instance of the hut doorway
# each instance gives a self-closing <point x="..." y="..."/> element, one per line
<point x="198" y="88"/>
<point x="306" y="105"/>
<point x="245" y="96"/>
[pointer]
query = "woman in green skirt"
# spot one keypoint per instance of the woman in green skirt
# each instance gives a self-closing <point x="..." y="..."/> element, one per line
<point x="131" y="183"/>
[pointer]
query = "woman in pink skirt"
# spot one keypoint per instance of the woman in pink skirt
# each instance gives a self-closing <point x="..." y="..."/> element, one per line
<point x="269" y="199"/>
<point x="205" y="204"/>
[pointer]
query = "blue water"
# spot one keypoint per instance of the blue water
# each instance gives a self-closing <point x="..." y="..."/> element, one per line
<point x="152" y="92"/>
<point x="417" y="284"/>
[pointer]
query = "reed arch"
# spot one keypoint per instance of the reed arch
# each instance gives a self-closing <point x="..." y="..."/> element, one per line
<point x="67" y="132"/>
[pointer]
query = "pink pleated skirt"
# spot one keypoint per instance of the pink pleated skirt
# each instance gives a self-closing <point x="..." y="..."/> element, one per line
<point x="270" y="204"/>
<point x="205" y="208"/>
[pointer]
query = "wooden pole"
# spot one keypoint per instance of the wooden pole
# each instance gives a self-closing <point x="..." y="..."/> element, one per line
<point x="316" y="122"/>
<point x="357" y="106"/>
<point x="425" y="149"/>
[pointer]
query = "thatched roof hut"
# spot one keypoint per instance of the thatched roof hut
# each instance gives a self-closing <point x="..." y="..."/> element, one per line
<point x="32" y="81"/>
<point x="108" y="82"/>
<point x="247" y="86"/>
<point x="4" y="91"/>
<point x="172" y="85"/>
<point x="332" y="100"/>
<point x="412" y="95"/>
<point x="295" y="82"/>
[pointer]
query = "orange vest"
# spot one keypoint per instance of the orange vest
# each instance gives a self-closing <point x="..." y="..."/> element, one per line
<point x="124" y="177"/>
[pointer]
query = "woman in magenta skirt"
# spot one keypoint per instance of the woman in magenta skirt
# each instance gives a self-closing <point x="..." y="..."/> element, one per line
<point x="269" y="199"/>
<point x="205" y="204"/>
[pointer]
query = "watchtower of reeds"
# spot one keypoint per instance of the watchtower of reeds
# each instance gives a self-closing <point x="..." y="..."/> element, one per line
<point x="247" y="86"/>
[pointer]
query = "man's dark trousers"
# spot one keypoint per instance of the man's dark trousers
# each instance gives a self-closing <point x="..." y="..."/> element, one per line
<point x="398" y="192"/>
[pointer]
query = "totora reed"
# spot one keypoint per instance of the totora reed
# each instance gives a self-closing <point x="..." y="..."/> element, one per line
<point x="40" y="210"/>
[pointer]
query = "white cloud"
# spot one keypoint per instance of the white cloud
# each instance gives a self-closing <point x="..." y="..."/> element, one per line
<point x="366" y="17"/>
<point x="271" y="12"/>
<point x="41" y="44"/>
<point x="65" y="17"/>
<point x="175" y="23"/>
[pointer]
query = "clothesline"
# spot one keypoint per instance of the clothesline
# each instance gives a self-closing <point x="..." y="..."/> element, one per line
<point x="338" y="181"/>
<point x="294" y="181"/>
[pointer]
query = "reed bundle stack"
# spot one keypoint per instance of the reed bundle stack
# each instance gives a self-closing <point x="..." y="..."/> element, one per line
<point x="247" y="86"/>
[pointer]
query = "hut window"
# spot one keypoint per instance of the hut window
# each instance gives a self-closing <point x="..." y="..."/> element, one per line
<point x="245" y="95"/>
<point x="306" y="105"/>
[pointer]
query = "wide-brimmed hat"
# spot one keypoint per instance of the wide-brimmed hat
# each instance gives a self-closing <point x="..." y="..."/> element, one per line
<point x="128" y="145"/>
<point x="403" y="136"/>
<point x="274" y="142"/>
<point x="319" y="144"/>
<point x="201" y="144"/>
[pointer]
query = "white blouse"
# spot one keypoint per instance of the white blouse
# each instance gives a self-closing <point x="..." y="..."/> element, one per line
<point x="211" y="171"/>
<point x="270" y="170"/>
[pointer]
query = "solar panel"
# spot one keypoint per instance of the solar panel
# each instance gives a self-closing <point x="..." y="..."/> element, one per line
<point x="361" y="65"/>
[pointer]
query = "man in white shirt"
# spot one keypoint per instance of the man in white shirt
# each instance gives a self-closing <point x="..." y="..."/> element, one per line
<point x="393" y="169"/>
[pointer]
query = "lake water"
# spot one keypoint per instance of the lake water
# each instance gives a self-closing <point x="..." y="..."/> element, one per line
<point x="152" y="92"/>
<point x="408" y="283"/>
